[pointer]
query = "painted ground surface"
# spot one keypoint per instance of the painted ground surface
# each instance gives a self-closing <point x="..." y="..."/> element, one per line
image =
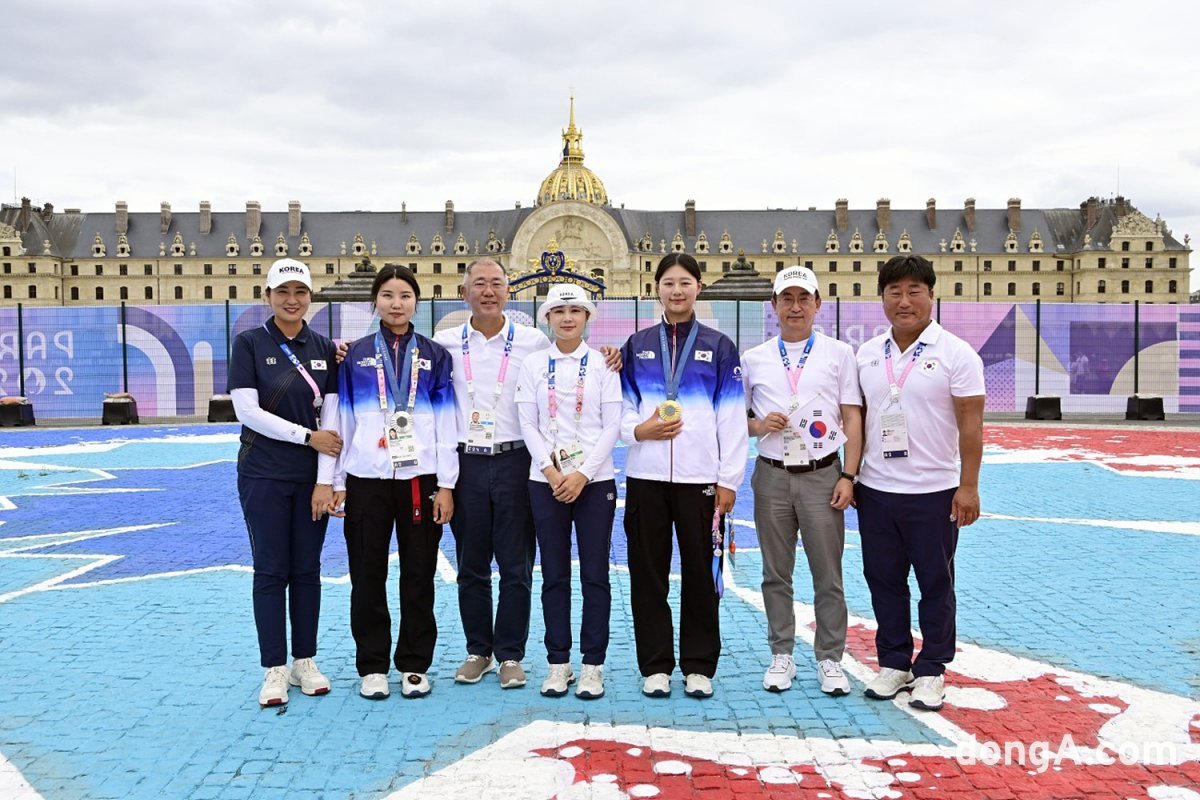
<point x="128" y="655"/>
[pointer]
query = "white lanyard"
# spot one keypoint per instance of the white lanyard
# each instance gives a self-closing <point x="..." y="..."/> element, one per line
<point x="552" y="396"/>
<point x="312" y="384"/>
<point x="896" y="384"/>
<point x="466" y="352"/>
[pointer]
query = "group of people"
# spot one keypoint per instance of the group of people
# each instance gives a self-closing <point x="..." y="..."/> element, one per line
<point x="509" y="437"/>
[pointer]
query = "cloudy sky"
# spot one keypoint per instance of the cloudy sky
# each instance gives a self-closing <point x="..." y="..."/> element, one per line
<point x="356" y="105"/>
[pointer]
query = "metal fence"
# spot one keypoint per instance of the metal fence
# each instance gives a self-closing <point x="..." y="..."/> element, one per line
<point x="174" y="358"/>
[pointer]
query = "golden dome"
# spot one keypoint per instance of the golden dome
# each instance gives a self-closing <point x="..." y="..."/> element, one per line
<point x="571" y="180"/>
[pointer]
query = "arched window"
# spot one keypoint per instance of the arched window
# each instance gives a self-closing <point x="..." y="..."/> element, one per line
<point x="958" y="290"/>
<point x="1037" y="289"/>
<point x="1124" y="287"/>
<point x="1172" y="287"/>
<point x="1101" y="287"/>
<point x="99" y="292"/>
<point x="1149" y="287"/>
<point x="856" y="290"/>
<point x="1012" y="289"/>
<point x="987" y="290"/>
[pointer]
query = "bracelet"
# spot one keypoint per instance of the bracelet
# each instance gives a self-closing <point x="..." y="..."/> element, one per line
<point x="849" y="477"/>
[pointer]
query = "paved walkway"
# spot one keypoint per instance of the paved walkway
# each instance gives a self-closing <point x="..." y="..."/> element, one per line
<point x="128" y="657"/>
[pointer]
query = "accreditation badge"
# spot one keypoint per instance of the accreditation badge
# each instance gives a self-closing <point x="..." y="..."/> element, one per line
<point x="795" y="453"/>
<point x="894" y="434"/>
<point x="568" y="458"/>
<point x="481" y="433"/>
<point x="402" y="441"/>
<point x="669" y="410"/>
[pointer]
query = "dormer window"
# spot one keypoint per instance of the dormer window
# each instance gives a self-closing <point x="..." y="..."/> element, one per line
<point x="881" y="243"/>
<point x="177" y="248"/>
<point x="726" y="245"/>
<point x="779" y="245"/>
<point x="677" y="242"/>
<point x="1010" y="242"/>
<point x="98" y="250"/>
<point x="360" y="246"/>
<point x="438" y="247"/>
<point x="1035" y="242"/>
<point x="702" y="243"/>
<point x="231" y="246"/>
<point x="256" y="246"/>
<point x="493" y="244"/>
<point x="413" y="248"/>
<point x="460" y="245"/>
<point x="856" y="242"/>
<point x="832" y="245"/>
<point x="905" y="244"/>
<point x="305" y="245"/>
<point x="957" y="244"/>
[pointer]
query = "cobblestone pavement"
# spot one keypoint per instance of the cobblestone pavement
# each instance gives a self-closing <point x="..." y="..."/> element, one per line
<point x="128" y="656"/>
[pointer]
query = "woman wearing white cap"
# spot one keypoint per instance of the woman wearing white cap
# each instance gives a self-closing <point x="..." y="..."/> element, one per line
<point x="280" y="376"/>
<point x="570" y="412"/>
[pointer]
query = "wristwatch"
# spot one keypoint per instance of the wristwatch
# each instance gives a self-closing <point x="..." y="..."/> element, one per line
<point x="308" y="439"/>
<point x="849" y="477"/>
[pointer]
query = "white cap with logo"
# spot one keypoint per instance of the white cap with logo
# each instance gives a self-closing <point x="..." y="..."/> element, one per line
<point x="288" y="269"/>
<point x="566" y="294"/>
<point x="800" y="277"/>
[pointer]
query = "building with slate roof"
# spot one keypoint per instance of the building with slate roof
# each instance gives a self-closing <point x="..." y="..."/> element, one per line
<point x="1102" y="251"/>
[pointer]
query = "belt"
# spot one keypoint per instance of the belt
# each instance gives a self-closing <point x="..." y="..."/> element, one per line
<point x="811" y="466"/>
<point x="502" y="447"/>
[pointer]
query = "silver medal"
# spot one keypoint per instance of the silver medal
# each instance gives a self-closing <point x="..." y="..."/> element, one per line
<point x="402" y="420"/>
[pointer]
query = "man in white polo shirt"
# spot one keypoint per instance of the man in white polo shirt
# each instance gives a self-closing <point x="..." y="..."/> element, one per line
<point x="802" y="387"/>
<point x="924" y="393"/>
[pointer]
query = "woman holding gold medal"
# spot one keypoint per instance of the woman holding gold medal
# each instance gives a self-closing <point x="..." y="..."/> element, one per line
<point x="396" y="415"/>
<point x="684" y="420"/>
<point x="570" y="409"/>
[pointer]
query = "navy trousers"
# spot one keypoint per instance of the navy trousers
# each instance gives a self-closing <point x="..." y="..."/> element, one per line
<point x="286" y="547"/>
<point x="492" y="520"/>
<point x="902" y="532"/>
<point x="651" y="509"/>
<point x="592" y="514"/>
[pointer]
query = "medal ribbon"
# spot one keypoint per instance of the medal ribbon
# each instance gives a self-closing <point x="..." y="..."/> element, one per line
<point x="552" y="396"/>
<point x="384" y="365"/>
<point x="718" y="539"/>
<point x="793" y="375"/>
<point x="312" y="384"/>
<point x="896" y="384"/>
<point x="673" y="368"/>
<point x="466" y="351"/>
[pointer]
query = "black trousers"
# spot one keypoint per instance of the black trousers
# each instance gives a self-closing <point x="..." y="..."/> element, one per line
<point x="374" y="507"/>
<point x="651" y="508"/>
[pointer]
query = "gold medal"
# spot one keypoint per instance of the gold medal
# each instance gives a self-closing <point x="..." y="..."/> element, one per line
<point x="669" y="411"/>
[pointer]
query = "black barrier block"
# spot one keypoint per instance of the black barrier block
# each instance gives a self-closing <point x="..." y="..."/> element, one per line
<point x="16" y="415"/>
<point x="121" y="411"/>
<point x="1043" y="406"/>
<point x="220" y="409"/>
<point x="1144" y="407"/>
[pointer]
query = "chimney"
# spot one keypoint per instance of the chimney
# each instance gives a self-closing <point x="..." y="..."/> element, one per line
<point x="969" y="214"/>
<point x="1091" y="212"/>
<point x="1014" y="214"/>
<point x="449" y="216"/>
<point x="883" y="214"/>
<point x="26" y="214"/>
<point x="1122" y="206"/>
<point x="47" y="212"/>
<point x="931" y="213"/>
<point x="205" y="217"/>
<point x="164" y="217"/>
<point x="403" y="213"/>
<point x="293" y="218"/>
<point x="122" y="217"/>
<point x="253" y="218"/>
<point x="841" y="214"/>
<point x="689" y="218"/>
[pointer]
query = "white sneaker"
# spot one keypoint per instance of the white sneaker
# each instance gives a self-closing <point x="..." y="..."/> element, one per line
<point x="832" y="679"/>
<point x="306" y="675"/>
<point x="929" y="693"/>
<point x="697" y="685"/>
<point x="657" y="685"/>
<point x="374" y="686"/>
<point x="780" y="673"/>
<point x="559" y="677"/>
<point x="889" y="683"/>
<point x="414" y="685"/>
<point x="591" y="682"/>
<point x="275" y="687"/>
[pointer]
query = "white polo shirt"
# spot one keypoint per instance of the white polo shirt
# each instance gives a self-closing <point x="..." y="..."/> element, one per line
<point x="829" y="373"/>
<point x="947" y="368"/>
<point x="600" y="424"/>
<point x="486" y="356"/>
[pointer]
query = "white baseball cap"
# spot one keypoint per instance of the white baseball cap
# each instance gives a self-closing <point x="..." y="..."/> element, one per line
<point x="800" y="277"/>
<point x="288" y="269"/>
<point x="566" y="294"/>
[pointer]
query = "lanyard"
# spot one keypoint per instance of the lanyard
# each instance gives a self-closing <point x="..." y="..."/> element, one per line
<point x="287" y="351"/>
<point x="384" y="365"/>
<point x="793" y="375"/>
<point x="466" y="351"/>
<point x="896" y="384"/>
<point x="552" y="396"/>
<point x="718" y="541"/>
<point x="672" y="368"/>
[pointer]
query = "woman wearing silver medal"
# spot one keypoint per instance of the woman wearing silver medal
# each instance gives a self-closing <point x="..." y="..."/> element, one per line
<point x="570" y="411"/>
<point x="396" y="415"/>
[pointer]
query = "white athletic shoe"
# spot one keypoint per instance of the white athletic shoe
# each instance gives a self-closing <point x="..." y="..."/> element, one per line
<point x="591" y="682"/>
<point x="698" y="686"/>
<point x="657" y="685"/>
<point x="780" y="673"/>
<point x="889" y="683"/>
<point x="306" y="675"/>
<point x="374" y="686"/>
<point x="832" y="679"/>
<point x="274" y="690"/>
<point x="414" y="685"/>
<point x="558" y="678"/>
<point x="929" y="693"/>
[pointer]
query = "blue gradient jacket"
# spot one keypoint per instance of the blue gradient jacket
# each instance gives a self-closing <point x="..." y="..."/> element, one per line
<point x="713" y="444"/>
<point x="361" y="422"/>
